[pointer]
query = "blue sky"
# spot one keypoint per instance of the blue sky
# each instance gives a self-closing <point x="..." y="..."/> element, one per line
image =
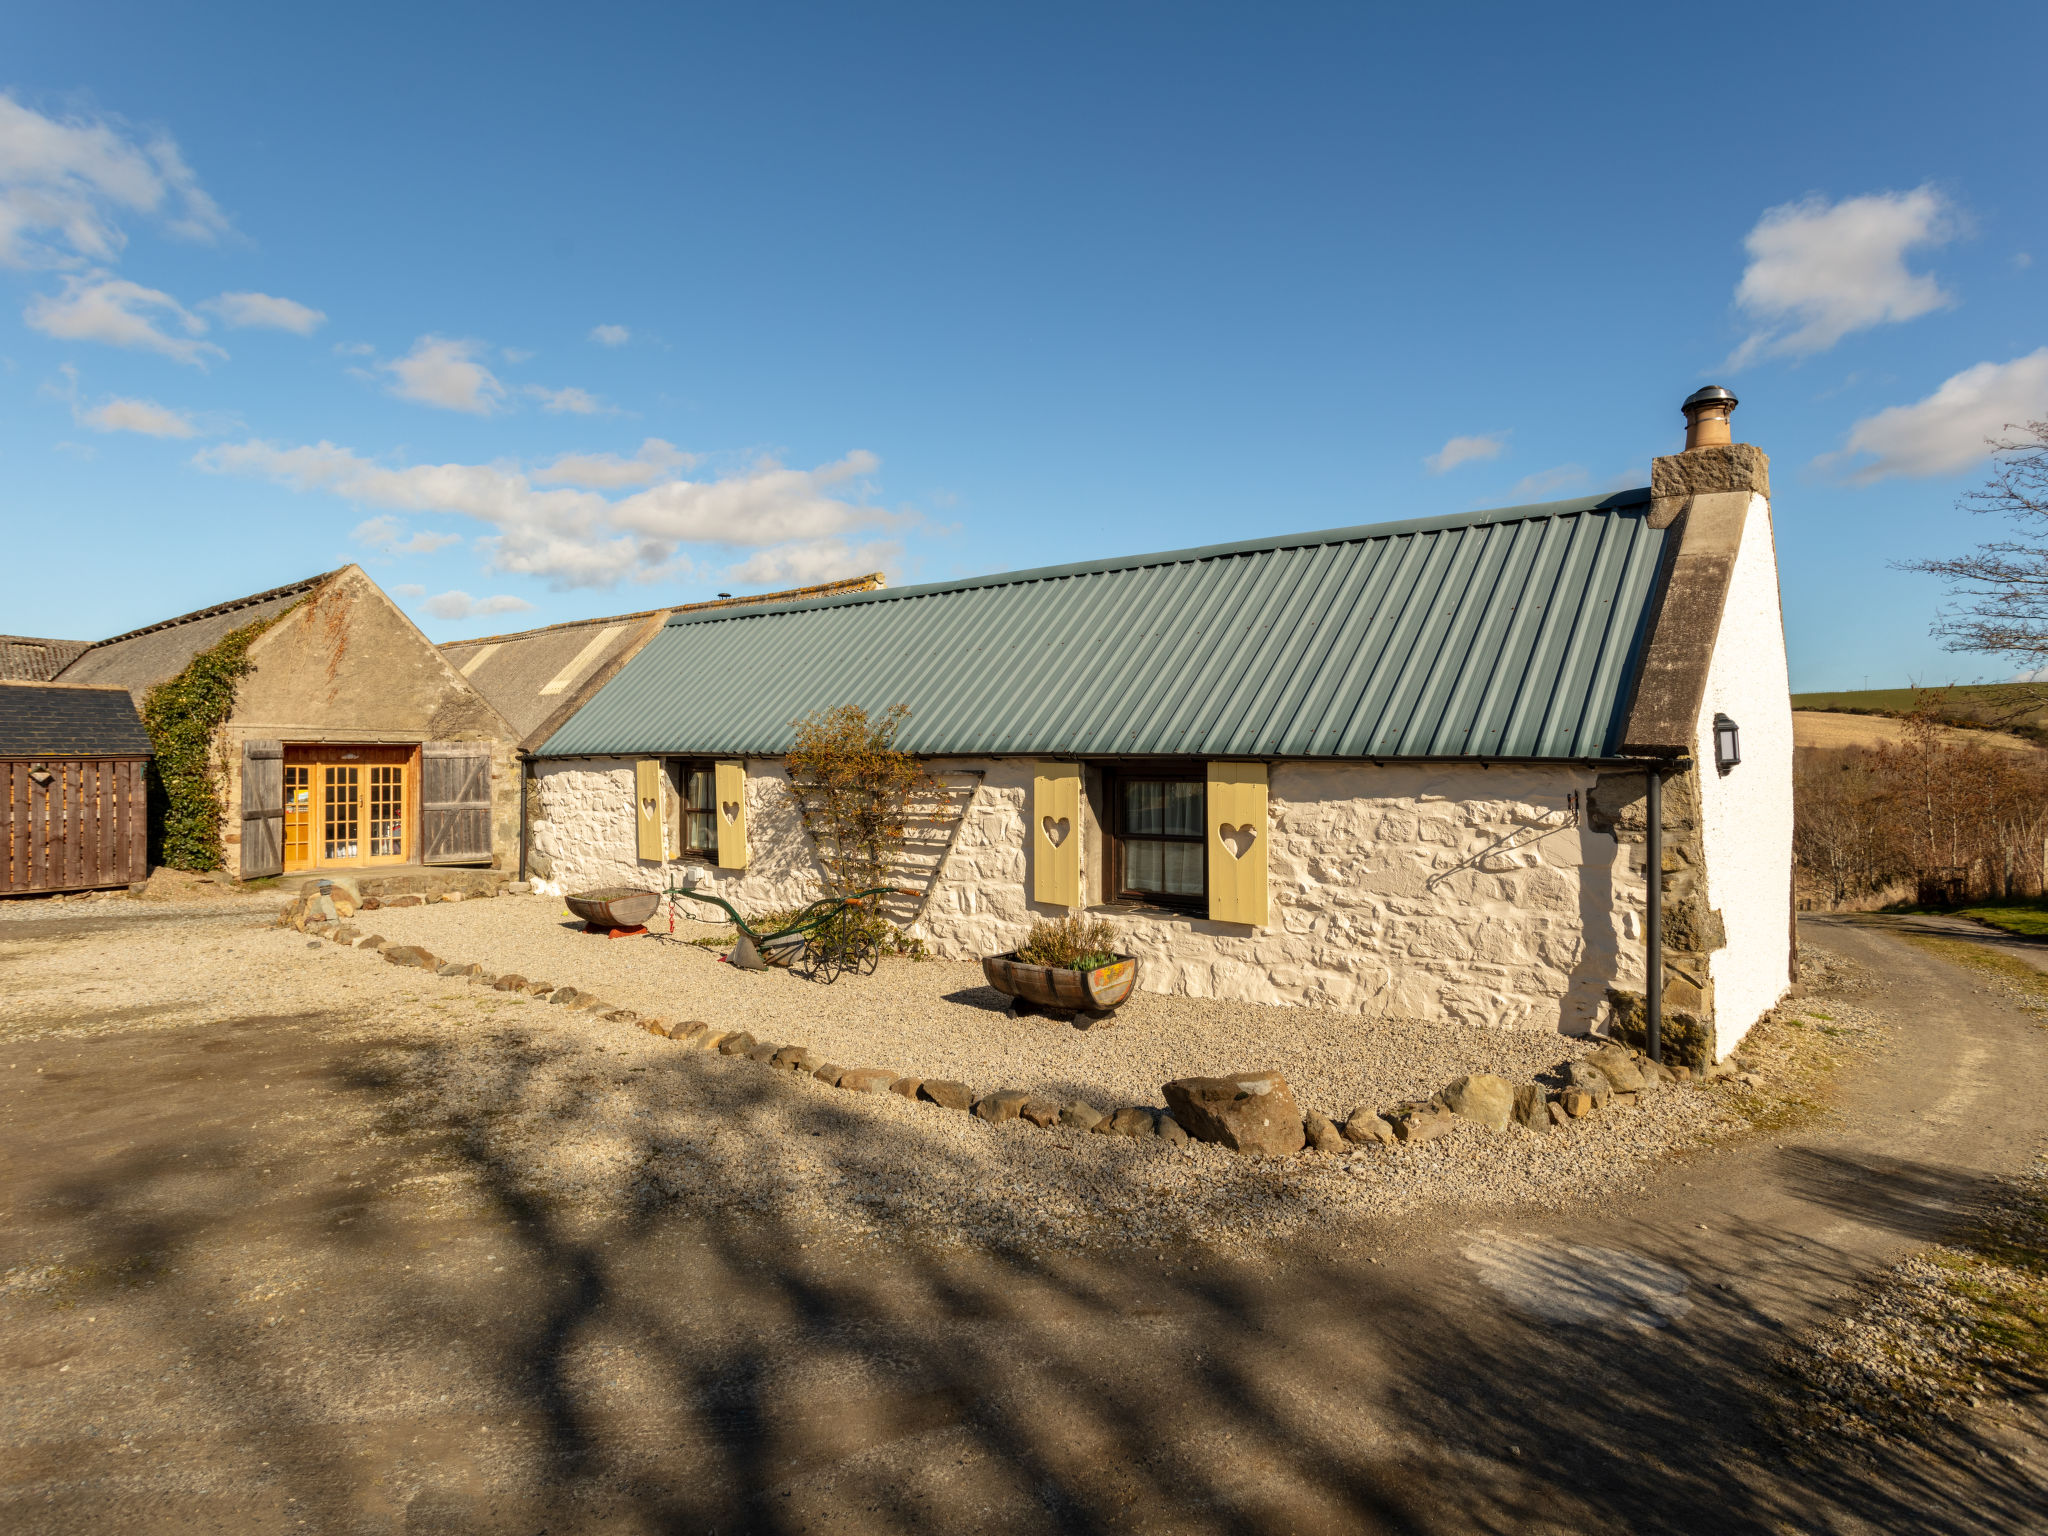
<point x="540" y="313"/>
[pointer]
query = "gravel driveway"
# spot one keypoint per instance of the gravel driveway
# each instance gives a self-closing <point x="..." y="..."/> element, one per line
<point x="938" y="1018"/>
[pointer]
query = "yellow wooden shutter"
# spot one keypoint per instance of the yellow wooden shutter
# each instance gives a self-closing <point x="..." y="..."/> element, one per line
<point x="1056" y="835"/>
<point x="647" y="807"/>
<point x="1237" y="843"/>
<point x="732" y="815"/>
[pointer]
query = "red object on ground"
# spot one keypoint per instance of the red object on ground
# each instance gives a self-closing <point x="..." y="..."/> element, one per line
<point x="617" y="933"/>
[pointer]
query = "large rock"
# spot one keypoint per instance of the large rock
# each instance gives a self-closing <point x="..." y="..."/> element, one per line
<point x="1168" y="1130"/>
<point x="737" y="1045"/>
<point x="1576" y="1102"/>
<point x="1040" y="1112"/>
<point x="795" y="1058"/>
<point x="1532" y="1106"/>
<point x="906" y="1087"/>
<point x="374" y="941"/>
<point x="565" y="996"/>
<point x="509" y="982"/>
<point x="1420" y="1122"/>
<point x="829" y="1073"/>
<point x="1247" y="1112"/>
<point x="764" y="1052"/>
<point x="1322" y="1135"/>
<point x="1621" y="1070"/>
<point x="410" y="954"/>
<point x="1082" y="1116"/>
<point x="1482" y="1098"/>
<point x="1584" y="1075"/>
<point x="1365" y="1125"/>
<point x="868" y="1079"/>
<point x="1134" y="1121"/>
<point x="1003" y="1104"/>
<point x="946" y="1093"/>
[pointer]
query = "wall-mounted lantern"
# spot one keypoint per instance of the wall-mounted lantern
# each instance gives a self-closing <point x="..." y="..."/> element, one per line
<point x="1727" y="743"/>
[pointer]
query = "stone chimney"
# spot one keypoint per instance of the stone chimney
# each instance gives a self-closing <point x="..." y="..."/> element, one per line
<point x="1706" y="417"/>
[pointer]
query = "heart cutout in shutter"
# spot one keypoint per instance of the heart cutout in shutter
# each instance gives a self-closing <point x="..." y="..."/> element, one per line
<point x="1056" y="831"/>
<point x="732" y="812"/>
<point x="1238" y="840"/>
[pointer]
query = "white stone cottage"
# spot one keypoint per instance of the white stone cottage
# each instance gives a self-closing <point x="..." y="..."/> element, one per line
<point x="1399" y="769"/>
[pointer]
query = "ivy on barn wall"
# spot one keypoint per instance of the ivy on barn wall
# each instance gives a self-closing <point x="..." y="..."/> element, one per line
<point x="184" y="717"/>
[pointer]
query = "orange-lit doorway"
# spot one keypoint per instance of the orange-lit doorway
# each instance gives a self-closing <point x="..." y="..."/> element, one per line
<point x="348" y="806"/>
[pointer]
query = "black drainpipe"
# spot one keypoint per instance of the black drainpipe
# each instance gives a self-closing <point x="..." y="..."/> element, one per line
<point x="1653" y="989"/>
<point x="525" y="789"/>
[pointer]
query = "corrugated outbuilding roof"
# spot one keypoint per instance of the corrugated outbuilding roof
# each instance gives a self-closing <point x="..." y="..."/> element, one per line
<point x="1512" y="634"/>
<point x="39" y="720"/>
<point x="537" y="678"/>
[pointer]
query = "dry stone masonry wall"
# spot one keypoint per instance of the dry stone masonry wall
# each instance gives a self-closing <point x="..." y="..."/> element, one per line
<point x="1477" y="895"/>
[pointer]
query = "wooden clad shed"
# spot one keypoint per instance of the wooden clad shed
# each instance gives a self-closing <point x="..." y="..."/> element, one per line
<point x="73" y="802"/>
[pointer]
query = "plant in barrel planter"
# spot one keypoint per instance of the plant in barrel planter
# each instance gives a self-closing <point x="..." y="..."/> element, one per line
<point x="1069" y="964"/>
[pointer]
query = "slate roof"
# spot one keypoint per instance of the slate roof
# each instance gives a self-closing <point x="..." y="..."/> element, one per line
<point x="40" y="720"/>
<point x="538" y="678"/>
<point x="24" y="658"/>
<point x="1513" y="633"/>
<point x="142" y="658"/>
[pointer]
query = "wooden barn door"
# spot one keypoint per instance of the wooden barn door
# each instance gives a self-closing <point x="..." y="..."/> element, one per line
<point x="455" y="802"/>
<point x="262" y="809"/>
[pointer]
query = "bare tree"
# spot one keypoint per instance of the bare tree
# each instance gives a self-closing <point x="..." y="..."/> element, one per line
<point x="2002" y="587"/>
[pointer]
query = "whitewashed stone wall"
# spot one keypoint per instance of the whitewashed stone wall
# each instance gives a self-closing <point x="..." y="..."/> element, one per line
<point x="1469" y="894"/>
<point x="1746" y="814"/>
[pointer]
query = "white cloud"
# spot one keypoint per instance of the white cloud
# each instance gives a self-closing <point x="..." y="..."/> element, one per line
<point x="1466" y="450"/>
<point x="608" y="472"/>
<point x="444" y="372"/>
<point x="460" y="605"/>
<point x="1548" y="482"/>
<point x="353" y="349"/>
<point x="610" y="335"/>
<point x="410" y="589"/>
<point x="1946" y="431"/>
<point x="144" y="416"/>
<point x="573" y="402"/>
<point x="98" y="306"/>
<point x="804" y="565"/>
<point x="243" y="310"/>
<point x="579" y="537"/>
<point x="386" y="534"/>
<point x="1818" y="271"/>
<point x="65" y="184"/>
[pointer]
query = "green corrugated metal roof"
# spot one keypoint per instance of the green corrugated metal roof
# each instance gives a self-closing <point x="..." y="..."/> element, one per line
<point x="1511" y="633"/>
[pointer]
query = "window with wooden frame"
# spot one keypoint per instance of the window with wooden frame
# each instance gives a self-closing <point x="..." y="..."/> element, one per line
<point x="695" y="828"/>
<point x="1158" y="836"/>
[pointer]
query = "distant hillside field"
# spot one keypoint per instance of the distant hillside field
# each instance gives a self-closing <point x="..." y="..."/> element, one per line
<point x="1814" y="728"/>
<point x="1963" y="703"/>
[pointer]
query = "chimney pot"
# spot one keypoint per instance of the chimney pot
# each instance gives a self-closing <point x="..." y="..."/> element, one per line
<point x="1706" y="417"/>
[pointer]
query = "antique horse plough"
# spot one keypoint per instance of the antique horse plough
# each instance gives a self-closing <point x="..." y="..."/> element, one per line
<point x="828" y="939"/>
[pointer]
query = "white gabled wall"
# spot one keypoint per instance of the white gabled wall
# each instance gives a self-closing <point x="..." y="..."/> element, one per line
<point x="1746" y="814"/>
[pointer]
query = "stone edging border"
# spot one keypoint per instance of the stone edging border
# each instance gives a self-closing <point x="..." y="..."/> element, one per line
<point x="1252" y="1112"/>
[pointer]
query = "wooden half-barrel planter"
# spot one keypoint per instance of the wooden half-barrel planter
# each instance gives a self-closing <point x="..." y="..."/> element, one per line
<point x="1050" y="986"/>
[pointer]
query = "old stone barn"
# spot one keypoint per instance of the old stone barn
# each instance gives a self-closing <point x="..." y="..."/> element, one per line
<point x="1399" y="768"/>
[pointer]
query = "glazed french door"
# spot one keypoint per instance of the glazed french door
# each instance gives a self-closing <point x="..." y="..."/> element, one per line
<point x="348" y="805"/>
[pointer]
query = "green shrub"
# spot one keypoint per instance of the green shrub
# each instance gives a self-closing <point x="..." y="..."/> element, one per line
<point x="184" y="716"/>
<point x="1076" y="942"/>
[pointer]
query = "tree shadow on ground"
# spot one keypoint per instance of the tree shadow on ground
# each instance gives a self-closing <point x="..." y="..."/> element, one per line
<point x="689" y="1344"/>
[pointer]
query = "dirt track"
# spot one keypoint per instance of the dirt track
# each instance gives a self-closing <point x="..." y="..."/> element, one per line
<point x="253" y="1284"/>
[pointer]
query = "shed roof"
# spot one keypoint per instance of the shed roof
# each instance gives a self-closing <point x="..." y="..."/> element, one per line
<point x="142" y="658"/>
<point x="538" y="678"/>
<point x="40" y="720"/>
<point x="1513" y="634"/>
<point x="25" y="658"/>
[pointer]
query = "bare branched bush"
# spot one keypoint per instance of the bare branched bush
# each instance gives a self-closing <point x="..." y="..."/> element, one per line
<point x="1950" y="817"/>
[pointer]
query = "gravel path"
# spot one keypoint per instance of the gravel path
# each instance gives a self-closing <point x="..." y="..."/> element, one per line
<point x="581" y="1113"/>
<point x="938" y="1018"/>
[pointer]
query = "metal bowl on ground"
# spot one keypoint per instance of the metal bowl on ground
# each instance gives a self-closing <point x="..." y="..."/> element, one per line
<point x="614" y="906"/>
<point x="1051" y="986"/>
